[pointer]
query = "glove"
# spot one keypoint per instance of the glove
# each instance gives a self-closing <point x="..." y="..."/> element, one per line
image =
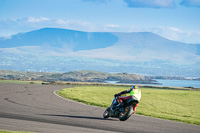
<point x="116" y="95"/>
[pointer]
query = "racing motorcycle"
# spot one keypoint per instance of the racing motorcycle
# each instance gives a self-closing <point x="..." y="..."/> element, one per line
<point x="118" y="110"/>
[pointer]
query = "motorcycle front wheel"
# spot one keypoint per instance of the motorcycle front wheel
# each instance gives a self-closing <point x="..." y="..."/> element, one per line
<point x="126" y="114"/>
<point x="106" y="114"/>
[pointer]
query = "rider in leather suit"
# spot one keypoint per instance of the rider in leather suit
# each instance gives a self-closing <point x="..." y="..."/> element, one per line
<point x="134" y="94"/>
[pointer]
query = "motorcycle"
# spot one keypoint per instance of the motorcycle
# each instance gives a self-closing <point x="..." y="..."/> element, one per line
<point x="118" y="110"/>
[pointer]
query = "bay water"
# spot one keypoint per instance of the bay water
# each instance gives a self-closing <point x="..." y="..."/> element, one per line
<point x="179" y="83"/>
<point x="170" y="83"/>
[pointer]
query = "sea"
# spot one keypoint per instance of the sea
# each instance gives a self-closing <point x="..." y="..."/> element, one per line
<point x="171" y="83"/>
<point x="179" y="83"/>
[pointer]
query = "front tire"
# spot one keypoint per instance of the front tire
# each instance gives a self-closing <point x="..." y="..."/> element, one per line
<point x="106" y="114"/>
<point x="126" y="114"/>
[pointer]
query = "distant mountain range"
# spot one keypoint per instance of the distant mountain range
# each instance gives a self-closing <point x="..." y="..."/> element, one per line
<point x="61" y="38"/>
<point x="62" y="50"/>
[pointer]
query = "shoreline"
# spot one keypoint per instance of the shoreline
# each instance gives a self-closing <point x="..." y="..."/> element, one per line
<point x="96" y="84"/>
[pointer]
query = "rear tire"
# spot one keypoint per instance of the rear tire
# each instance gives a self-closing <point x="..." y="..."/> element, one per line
<point x="106" y="114"/>
<point x="126" y="114"/>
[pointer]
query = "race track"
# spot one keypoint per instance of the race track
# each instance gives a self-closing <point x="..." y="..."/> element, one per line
<point x="36" y="108"/>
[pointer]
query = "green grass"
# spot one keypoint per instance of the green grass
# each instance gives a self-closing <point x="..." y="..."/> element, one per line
<point x="20" y="82"/>
<point x="14" y="132"/>
<point x="178" y="105"/>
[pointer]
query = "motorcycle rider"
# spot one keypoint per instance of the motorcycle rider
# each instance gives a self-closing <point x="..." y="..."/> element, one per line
<point x="134" y="94"/>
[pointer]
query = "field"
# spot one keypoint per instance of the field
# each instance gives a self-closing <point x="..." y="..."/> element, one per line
<point x="178" y="105"/>
<point x="14" y="132"/>
<point x="20" y="82"/>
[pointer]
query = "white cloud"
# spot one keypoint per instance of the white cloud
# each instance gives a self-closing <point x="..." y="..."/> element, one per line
<point x="190" y="3"/>
<point x="61" y="21"/>
<point x="112" y="25"/>
<point x="150" y="3"/>
<point x="14" y="26"/>
<point x="176" y="34"/>
<point x="36" y="20"/>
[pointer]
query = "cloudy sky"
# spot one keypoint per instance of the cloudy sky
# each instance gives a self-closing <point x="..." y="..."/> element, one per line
<point x="174" y="19"/>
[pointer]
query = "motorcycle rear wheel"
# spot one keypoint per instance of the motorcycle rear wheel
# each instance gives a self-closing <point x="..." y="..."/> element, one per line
<point x="126" y="114"/>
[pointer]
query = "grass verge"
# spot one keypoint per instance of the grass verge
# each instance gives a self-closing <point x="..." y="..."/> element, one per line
<point x="21" y="82"/>
<point x="178" y="105"/>
<point x="14" y="132"/>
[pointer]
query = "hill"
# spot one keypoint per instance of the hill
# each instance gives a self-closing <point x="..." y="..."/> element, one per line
<point x="61" y="38"/>
<point x="62" y="50"/>
<point x="76" y="76"/>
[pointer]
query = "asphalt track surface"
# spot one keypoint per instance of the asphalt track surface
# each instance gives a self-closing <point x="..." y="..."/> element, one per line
<point x="36" y="108"/>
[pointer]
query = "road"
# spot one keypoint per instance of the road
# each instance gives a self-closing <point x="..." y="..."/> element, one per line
<point x="29" y="107"/>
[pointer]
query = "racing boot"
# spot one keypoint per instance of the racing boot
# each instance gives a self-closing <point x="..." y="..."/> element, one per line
<point x="134" y="108"/>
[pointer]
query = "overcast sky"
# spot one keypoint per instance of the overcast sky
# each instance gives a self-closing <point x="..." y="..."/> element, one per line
<point x="173" y="19"/>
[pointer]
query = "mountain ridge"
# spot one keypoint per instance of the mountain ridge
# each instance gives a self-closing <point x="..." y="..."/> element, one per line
<point x="57" y="37"/>
<point x="135" y="52"/>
